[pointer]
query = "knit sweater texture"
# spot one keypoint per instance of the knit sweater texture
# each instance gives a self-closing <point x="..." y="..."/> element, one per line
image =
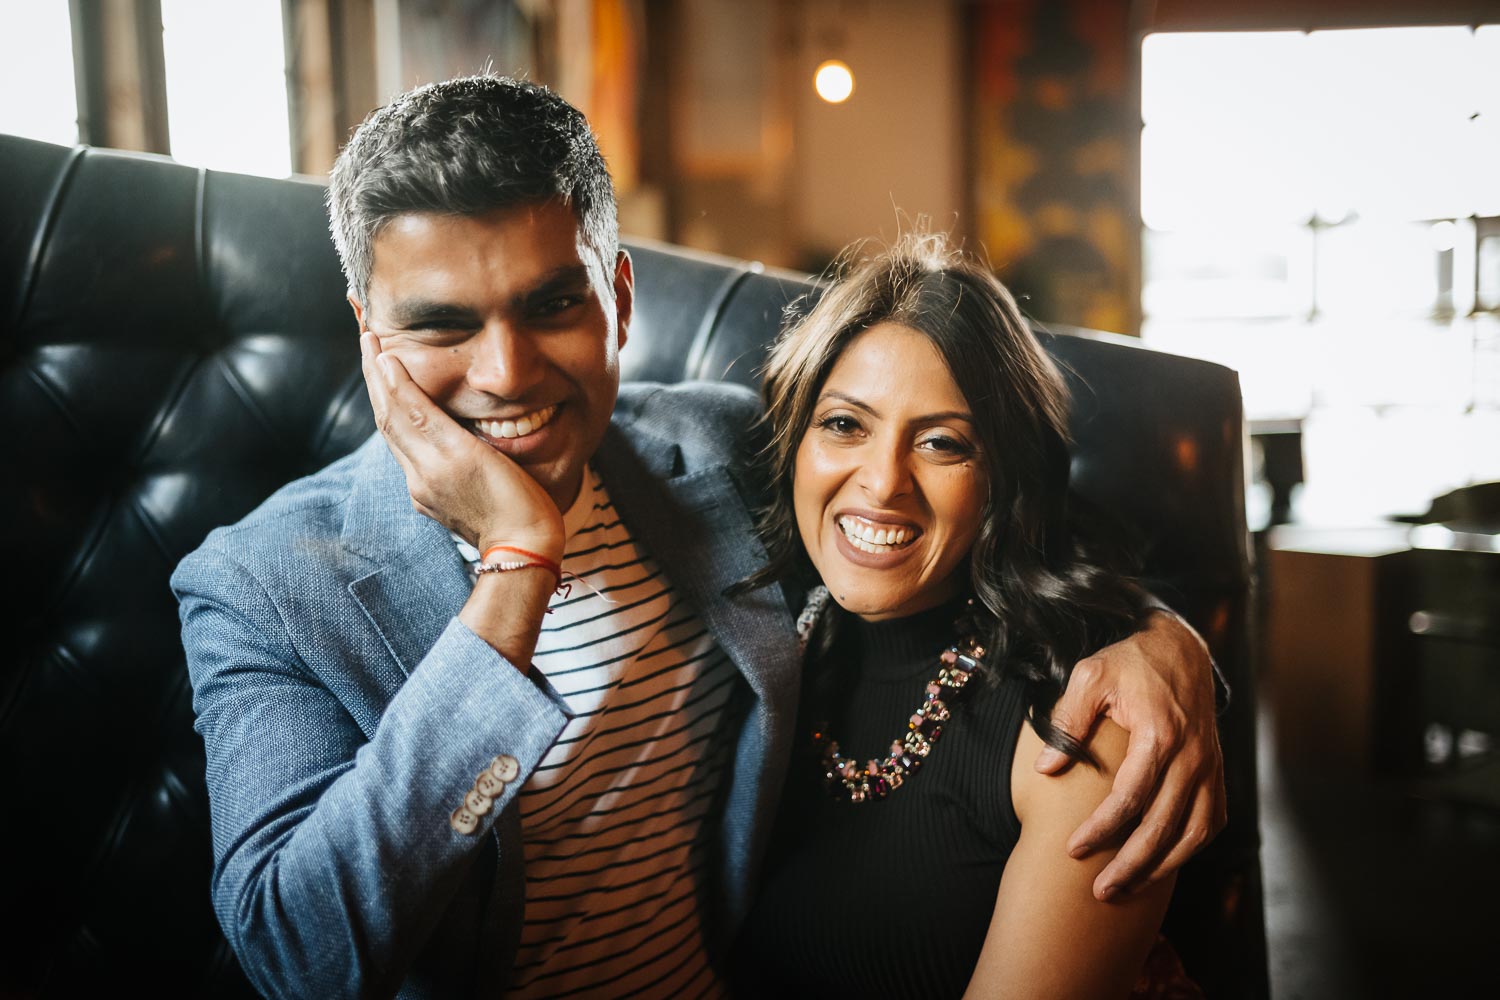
<point x="891" y="897"/>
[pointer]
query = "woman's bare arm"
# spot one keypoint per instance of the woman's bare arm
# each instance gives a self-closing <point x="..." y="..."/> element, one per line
<point x="1049" y="937"/>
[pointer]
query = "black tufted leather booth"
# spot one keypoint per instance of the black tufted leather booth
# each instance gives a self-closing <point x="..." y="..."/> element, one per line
<point x="175" y="345"/>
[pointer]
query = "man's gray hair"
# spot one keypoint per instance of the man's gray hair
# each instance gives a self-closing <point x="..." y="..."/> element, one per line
<point x="467" y="146"/>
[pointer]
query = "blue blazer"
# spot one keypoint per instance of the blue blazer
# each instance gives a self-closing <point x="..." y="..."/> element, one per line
<point x="345" y="710"/>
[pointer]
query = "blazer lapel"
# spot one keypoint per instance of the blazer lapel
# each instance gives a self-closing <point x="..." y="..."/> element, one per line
<point x="698" y="529"/>
<point x="419" y="582"/>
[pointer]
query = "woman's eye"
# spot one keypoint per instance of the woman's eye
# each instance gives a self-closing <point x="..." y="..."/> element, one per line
<point x="840" y="425"/>
<point x="943" y="445"/>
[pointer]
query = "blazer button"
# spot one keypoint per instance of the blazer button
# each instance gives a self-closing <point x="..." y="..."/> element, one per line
<point x="505" y="767"/>
<point x="478" y="803"/>
<point x="463" y="821"/>
<point x="488" y="784"/>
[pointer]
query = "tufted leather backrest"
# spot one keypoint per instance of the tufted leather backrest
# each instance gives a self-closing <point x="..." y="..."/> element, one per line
<point x="175" y="346"/>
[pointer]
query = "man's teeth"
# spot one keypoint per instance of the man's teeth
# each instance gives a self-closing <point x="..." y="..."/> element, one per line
<point x="868" y="538"/>
<point x="519" y="427"/>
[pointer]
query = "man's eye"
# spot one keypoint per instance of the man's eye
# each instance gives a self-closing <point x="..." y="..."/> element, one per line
<point x="438" y="331"/>
<point x="440" y="324"/>
<point x="559" y="304"/>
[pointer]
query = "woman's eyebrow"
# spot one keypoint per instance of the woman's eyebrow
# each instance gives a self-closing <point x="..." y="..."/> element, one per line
<point x="926" y="418"/>
<point x="858" y="404"/>
<point x="936" y="418"/>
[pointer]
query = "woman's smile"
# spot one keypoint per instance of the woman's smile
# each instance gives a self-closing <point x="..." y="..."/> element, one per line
<point x="874" y="534"/>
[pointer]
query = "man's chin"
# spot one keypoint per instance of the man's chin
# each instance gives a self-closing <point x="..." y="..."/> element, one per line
<point x="562" y="487"/>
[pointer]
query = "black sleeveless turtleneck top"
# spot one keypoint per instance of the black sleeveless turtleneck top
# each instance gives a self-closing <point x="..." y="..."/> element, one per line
<point x="888" y="898"/>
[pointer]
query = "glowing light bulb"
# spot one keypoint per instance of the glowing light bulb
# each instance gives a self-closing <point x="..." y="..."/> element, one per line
<point x="833" y="81"/>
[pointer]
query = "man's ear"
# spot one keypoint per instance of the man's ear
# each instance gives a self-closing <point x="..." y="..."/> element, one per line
<point x="359" y="312"/>
<point x="624" y="295"/>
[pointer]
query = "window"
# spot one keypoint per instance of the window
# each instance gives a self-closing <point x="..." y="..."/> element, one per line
<point x="36" y="71"/>
<point x="1289" y="175"/>
<point x="226" y="85"/>
<point x="1322" y="213"/>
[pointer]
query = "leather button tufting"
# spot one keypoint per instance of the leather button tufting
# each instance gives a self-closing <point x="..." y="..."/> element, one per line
<point x="505" y="767"/>
<point x="478" y="803"/>
<point x="488" y="784"/>
<point x="463" y="821"/>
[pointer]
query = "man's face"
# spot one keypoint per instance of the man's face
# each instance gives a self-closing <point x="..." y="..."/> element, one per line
<point x="510" y="323"/>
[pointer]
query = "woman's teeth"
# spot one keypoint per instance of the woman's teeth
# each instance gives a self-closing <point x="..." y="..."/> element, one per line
<point x="868" y="538"/>
<point x="519" y="427"/>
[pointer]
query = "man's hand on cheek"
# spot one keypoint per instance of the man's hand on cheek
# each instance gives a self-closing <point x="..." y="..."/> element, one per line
<point x="452" y="476"/>
<point x="1158" y="685"/>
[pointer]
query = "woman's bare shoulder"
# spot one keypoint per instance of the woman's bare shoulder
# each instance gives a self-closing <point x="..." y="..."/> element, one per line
<point x="1075" y="792"/>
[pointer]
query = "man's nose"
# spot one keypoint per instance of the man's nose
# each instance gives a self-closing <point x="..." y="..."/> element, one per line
<point x="503" y="361"/>
<point x="885" y="473"/>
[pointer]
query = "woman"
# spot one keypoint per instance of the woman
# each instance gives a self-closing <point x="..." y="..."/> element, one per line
<point x="921" y="461"/>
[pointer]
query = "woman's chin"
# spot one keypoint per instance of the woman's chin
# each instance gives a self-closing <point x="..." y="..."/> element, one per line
<point x="861" y="607"/>
<point x="877" y="603"/>
<point x="875" y="607"/>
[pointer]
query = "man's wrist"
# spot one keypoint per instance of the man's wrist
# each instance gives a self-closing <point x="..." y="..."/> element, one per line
<point x="545" y="546"/>
<point x="505" y="610"/>
<point x="513" y="558"/>
<point x="1222" y="692"/>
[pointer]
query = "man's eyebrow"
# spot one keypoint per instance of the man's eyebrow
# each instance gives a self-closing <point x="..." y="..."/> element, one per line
<point x="410" y="311"/>
<point x="926" y="418"/>
<point x="562" y="279"/>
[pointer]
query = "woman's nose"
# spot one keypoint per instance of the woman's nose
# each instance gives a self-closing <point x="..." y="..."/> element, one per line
<point x="884" y="474"/>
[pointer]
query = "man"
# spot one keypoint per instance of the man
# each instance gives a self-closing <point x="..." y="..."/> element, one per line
<point x="434" y="770"/>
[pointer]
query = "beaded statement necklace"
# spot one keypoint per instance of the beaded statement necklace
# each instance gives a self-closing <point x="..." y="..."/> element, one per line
<point x="958" y="665"/>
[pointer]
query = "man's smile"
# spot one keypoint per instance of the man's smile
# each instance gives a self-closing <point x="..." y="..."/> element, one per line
<point x="517" y="427"/>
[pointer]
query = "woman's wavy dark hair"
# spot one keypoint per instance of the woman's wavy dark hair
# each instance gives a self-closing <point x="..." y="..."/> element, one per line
<point x="1046" y="598"/>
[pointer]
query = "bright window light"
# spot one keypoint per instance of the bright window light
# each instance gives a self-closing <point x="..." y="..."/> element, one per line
<point x="1486" y="128"/>
<point x="1361" y="140"/>
<point x="1225" y="137"/>
<point x="36" y="71"/>
<point x="1272" y="127"/>
<point x="226" y="85"/>
<point x="1390" y="111"/>
<point x="1322" y="214"/>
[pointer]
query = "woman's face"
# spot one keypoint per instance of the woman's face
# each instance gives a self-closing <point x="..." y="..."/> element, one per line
<point x="889" y="482"/>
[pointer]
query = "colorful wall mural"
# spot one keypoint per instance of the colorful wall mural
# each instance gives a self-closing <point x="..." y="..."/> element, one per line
<point x="1054" y="157"/>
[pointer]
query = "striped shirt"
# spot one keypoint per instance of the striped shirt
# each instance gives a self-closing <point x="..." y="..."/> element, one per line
<point x="613" y="818"/>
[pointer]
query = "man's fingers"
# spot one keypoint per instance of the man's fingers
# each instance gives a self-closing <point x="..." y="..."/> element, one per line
<point x="369" y="350"/>
<point x="1051" y="761"/>
<point x="1076" y="711"/>
<point x="1217" y="793"/>
<point x="1197" y="831"/>
<point x="1151" y="840"/>
<point x="408" y="418"/>
<point x="1134" y="783"/>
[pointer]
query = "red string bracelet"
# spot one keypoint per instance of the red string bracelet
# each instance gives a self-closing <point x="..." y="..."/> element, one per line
<point x="527" y="560"/>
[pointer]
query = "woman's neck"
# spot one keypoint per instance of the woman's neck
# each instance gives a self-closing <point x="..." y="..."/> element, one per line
<point x="895" y="648"/>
